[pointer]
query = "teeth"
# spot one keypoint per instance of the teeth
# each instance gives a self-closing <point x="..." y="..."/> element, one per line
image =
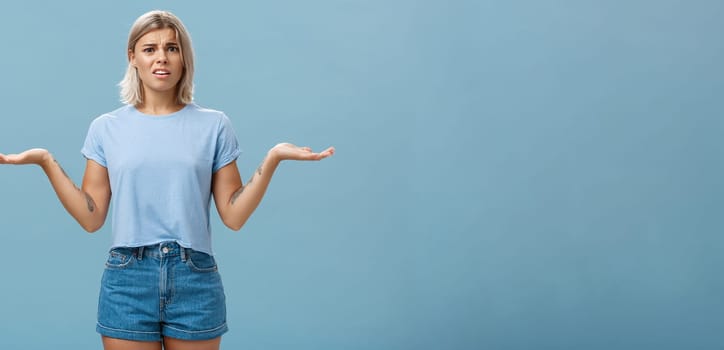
<point x="161" y="72"/>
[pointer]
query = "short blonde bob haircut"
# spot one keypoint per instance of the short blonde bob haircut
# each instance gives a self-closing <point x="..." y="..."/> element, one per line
<point x="131" y="86"/>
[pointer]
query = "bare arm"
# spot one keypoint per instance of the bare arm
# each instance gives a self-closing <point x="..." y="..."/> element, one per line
<point x="236" y="201"/>
<point x="88" y="205"/>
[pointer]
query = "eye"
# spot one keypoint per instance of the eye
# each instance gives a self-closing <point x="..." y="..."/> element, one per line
<point x="148" y="49"/>
<point x="173" y="49"/>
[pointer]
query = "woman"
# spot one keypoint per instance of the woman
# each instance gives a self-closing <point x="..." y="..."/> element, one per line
<point x="159" y="158"/>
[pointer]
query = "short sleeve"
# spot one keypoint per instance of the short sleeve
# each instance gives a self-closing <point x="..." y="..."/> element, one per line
<point x="92" y="147"/>
<point x="227" y="146"/>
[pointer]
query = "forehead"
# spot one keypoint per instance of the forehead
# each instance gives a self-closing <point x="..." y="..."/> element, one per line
<point x="158" y="36"/>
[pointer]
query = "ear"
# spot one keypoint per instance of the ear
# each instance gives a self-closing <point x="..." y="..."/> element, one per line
<point x="131" y="58"/>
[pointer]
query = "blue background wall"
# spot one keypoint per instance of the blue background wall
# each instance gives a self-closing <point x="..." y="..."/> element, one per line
<point x="509" y="175"/>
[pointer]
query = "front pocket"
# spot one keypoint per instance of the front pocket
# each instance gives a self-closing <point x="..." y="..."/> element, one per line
<point x="119" y="258"/>
<point x="200" y="262"/>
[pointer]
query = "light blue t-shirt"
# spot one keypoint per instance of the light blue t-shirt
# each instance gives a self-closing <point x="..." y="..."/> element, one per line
<point x="160" y="170"/>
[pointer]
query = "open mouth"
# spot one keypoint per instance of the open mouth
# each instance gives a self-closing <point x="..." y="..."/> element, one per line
<point x="161" y="72"/>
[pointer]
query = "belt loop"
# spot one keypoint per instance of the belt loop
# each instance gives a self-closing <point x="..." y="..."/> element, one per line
<point x="139" y="253"/>
<point x="183" y="253"/>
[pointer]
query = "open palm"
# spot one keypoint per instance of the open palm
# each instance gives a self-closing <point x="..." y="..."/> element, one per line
<point x="288" y="151"/>
<point x="31" y="156"/>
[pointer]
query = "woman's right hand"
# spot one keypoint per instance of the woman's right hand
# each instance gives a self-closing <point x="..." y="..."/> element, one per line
<point x="32" y="156"/>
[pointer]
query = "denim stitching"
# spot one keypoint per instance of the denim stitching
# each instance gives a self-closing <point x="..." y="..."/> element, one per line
<point x="204" y="331"/>
<point x="126" y="331"/>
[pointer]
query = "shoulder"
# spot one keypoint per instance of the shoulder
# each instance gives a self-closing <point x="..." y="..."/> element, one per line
<point x="211" y="116"/>
<point x="101" y="125"/>
<point x="206" y="112"/>
<point x="112" y="115"/>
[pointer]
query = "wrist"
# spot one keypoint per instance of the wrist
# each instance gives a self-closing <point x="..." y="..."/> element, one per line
<point x="273" y="156"/>
<point x="46" y="161"/>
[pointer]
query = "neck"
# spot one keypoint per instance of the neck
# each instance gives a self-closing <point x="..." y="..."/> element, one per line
<point x="159" y="104"/>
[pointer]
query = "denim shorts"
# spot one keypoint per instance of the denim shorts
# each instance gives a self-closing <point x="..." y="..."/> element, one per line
<point x="163" y="290"/>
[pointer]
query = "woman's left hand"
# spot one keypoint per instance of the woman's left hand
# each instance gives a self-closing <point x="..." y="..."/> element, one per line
<point x="288" y="151"/>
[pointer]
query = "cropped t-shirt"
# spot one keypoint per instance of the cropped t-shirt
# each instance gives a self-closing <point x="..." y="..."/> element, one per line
<point x="160" y="170"/>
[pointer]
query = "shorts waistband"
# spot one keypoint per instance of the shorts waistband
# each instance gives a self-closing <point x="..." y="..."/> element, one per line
<point x="161" y="250"/>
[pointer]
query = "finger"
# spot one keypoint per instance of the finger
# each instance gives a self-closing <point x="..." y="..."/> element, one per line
<point x="8" y="159"/>
<point x="322" y="155"/>
<point x="328" y="152"/>
<point x="312" y="156"/>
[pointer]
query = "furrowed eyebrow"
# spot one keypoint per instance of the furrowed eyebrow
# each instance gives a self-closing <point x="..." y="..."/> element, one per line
<point x="154" y="45"/>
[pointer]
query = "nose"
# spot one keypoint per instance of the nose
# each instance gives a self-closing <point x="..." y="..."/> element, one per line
<point x="161" y="57"/>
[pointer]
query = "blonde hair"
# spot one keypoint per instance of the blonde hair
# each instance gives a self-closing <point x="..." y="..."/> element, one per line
<point x="131" y="87"/>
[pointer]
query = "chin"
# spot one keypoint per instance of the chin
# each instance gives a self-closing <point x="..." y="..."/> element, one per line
<point x="160" y="88"/>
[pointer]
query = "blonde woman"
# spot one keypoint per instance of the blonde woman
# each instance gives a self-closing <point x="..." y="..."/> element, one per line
<point x="159" y="159"/>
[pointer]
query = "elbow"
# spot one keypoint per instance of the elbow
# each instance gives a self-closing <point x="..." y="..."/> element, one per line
<point x="234" y="225"/>
<point x="91" y="227"/>
<point x="234" y="219"/>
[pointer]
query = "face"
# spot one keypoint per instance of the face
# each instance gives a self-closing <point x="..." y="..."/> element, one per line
<point x="157" y="57"/>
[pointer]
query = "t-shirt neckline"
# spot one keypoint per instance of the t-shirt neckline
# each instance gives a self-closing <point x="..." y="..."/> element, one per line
<point x="161" y="116"/>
